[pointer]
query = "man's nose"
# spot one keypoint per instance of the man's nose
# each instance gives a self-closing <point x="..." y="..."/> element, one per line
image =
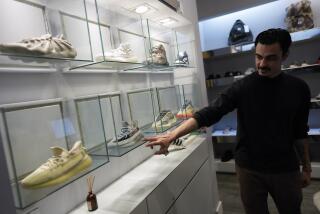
<point x="263" y="62"/>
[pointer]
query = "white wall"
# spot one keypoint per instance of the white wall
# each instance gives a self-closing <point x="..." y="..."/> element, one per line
<point x="213" y="8"/>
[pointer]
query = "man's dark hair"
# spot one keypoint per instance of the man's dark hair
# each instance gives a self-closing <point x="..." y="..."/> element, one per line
<point x="272" y="36"/>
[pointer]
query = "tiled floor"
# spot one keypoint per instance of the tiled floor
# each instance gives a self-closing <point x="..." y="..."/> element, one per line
<point x="229" y="194"/>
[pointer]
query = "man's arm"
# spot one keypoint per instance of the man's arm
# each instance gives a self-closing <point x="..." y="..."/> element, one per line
<point x="164" y="140"/>
<point x="207" y="116"/>
<point x="302" y="147"/>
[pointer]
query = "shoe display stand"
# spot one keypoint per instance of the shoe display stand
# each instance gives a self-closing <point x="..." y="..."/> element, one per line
<point x="95" y="120"/>
<point x="106" y="38"/>
<point x="68" y="118"/>
<point x="300" y="63"/>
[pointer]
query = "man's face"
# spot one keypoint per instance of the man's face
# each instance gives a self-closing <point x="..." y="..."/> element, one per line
<point x="269" y="59"/>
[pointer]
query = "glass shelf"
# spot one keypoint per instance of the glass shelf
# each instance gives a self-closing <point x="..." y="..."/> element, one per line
<point x="27" y="147"/>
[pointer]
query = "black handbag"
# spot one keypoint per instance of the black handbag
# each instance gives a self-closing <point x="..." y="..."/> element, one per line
<point x="240" y="33"/>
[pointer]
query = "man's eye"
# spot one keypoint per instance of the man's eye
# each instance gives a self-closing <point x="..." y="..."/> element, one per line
<point x="272" y="58"/>
<point x="259" y="57"/>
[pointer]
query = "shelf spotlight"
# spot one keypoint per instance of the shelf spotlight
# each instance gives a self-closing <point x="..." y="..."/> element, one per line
<point x="168" y="21"/>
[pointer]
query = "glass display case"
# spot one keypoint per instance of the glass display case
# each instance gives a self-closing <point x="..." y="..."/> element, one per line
<point x="190" y="98"/>
<point x="141" y="105"/>
<point x="161" y="46"/>
<point x="91" y="126"/>
<point x="122" y="37"/>
<point x="122" y="136"/>
<point x="41" y="157"/>
<point x="184" y="51"/>
<point x="44" y="33"/>
<point x="169" y="112"/>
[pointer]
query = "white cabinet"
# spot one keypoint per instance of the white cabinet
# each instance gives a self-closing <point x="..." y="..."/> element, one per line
<point x="196" y="198"/>
<point x="160" y="200"/>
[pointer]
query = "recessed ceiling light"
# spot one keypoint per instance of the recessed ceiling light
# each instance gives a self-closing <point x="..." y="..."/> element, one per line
<point x="141" y="9"/>
<point x="168" y="21"/>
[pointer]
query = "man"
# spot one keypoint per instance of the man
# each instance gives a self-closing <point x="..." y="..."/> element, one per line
<point x="272" y="110"/>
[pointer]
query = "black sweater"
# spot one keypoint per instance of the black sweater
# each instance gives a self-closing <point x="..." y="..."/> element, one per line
<point x="272" y="113"/>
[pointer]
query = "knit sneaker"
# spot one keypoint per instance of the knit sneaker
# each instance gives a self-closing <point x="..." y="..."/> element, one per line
<point x="58" y="166"/>
<point x="129" y="134"/>
<point x="164" y="120"/>
<point x="121" y="54"/>
<point x="186" y="111"/>
<point x="45" y="45"/>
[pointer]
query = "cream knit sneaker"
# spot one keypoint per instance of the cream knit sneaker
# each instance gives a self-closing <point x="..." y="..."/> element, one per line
<point x="58" y="165"/>
<point x="45" y="45"/>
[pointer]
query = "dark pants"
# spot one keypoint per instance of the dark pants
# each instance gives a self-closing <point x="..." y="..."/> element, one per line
<point x="284" y="188"/>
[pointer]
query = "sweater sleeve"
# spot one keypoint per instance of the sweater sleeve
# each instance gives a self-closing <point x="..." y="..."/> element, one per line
<point x="301" y="127"/>
<point x="225" y="103"/>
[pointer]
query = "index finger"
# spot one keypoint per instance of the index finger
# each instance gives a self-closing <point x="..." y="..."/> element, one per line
<point x="152" y="138"/>
<point x="153" y="144"/>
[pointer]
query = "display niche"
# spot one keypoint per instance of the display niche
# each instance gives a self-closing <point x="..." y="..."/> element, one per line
<point x="122" y="135"/>
<point x="47" y="155"/>
<point x="45" y="34"/>
<point x="118" y="36"/>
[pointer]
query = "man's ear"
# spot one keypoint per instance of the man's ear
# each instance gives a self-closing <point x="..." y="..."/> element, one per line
<point x="285" y="56"/>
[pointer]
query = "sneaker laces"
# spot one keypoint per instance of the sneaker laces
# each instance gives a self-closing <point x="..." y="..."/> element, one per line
<point x="161" y="115"/>
<point x="52" y="162"/>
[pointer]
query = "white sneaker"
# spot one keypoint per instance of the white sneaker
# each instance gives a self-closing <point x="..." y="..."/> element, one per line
<point x="121" y="54"/>
<point x="58" y="165"/>
<point x="45" y="45"/>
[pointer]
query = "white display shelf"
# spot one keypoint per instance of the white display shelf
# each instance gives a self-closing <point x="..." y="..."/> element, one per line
<point x="297" y="37"/>
<point x="220" y="133"/>
<point x="311" y="66"/>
